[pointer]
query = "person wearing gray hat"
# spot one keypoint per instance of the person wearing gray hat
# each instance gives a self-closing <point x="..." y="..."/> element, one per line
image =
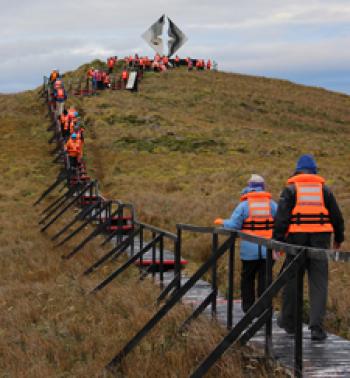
<point x="254" y="215"/>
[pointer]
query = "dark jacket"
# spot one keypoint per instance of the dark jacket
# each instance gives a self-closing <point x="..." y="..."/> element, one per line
<point x="286" y="204"/>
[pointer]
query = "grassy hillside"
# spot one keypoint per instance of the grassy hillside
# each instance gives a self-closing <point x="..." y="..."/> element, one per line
<point x="184" y="146"/>
<point x="49" y="325"/>
<point x="181" y="150"/>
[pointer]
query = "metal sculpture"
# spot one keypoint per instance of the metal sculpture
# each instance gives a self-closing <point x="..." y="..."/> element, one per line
<point x="157" y="40"/>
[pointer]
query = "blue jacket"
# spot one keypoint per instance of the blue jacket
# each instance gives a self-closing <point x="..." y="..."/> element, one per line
<point x="248" y="250"/>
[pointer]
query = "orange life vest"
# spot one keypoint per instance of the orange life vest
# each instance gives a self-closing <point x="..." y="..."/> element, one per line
<point x="79" y="139"/>
<point x="309" y="213"/>
<point x="177" y="59"/>
<point x="110" y="62"/>
<point x="125" y="75"/>
<point x="79" y="135"/>
<point x="73" y="148"/>
<point x="60" y="94"/>
<point x="106" y="79"/>
<point x="53" y="76"/>
<point x="72" y="123"/>
<point x="71" y="112"/>
<point x="64" y="120"/>
<point x="58" y="84"/>
<point x="260" y="221"/>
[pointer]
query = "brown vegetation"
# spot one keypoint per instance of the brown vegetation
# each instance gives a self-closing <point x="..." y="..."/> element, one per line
<point x="49" y="325"/>
<point x="184" y="146"/>
<point x="180" y="150"/>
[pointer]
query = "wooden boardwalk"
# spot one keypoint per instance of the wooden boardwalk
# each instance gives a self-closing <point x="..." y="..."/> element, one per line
<point x="329" y="358"/>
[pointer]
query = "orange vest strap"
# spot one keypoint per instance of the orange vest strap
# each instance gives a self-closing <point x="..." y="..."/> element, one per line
<point x="305" y="178"/>
<point x="246" y="196"/>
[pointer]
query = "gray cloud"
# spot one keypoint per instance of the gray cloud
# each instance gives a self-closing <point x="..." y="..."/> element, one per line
<point x="272" y="36"/>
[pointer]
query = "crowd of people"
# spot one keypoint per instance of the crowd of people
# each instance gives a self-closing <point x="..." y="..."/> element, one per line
<point x="98" y="79"/>
<point x="69" y="121"/>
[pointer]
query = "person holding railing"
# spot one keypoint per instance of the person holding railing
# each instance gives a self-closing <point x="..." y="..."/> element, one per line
<point x="307" y="215"/>
<point x="254" y="215"/>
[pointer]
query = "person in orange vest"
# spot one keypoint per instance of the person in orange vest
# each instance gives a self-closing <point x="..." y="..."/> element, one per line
<point x="156" y="66"/>
<point x="148" y="64"/>
<point x="103" y="79"/>
<point x="308" y="214"/>
<point x="60" y="98"/>
<point x="200" y="64"/>
<point x="71" y="113"/>
<point x="106" y="81"/>
<point x="209" y="64"/>
<point x="125" y="76"/>
<point x="177" y="61"/>
<point x="64" y="124"/>
<point x="73" y="148"/>
<point x="110" y="64"/>
<point x="90" y="79"/>
<point x="165" y="61"/>
<point x="254" y="215"/>
<point x="73" y="121"/>
<point x="98" y="77"/>
<point x="54" y="76"/>
<point x="79" y="132"/>
<point x="58" y="83"/>
<point x="142" y="64"/>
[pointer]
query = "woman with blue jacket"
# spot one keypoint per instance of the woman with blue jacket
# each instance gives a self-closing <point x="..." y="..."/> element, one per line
<point x="254" y="215"/>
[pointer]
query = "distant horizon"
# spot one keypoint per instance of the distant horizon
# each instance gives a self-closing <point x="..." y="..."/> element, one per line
<point x="331" y="88"/>
<point x="305" y="43"/>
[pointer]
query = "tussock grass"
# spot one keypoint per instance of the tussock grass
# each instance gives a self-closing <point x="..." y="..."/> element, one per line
<point x="49" y="325"/>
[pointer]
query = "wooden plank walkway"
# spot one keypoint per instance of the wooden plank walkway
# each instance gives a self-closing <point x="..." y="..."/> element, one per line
<point x="329" y="358"/>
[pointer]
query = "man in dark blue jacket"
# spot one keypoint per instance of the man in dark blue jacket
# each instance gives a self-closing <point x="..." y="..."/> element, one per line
<point x="307" y="215"/>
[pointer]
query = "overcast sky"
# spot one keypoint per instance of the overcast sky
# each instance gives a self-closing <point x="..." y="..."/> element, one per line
<point x="303" y="41"/>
